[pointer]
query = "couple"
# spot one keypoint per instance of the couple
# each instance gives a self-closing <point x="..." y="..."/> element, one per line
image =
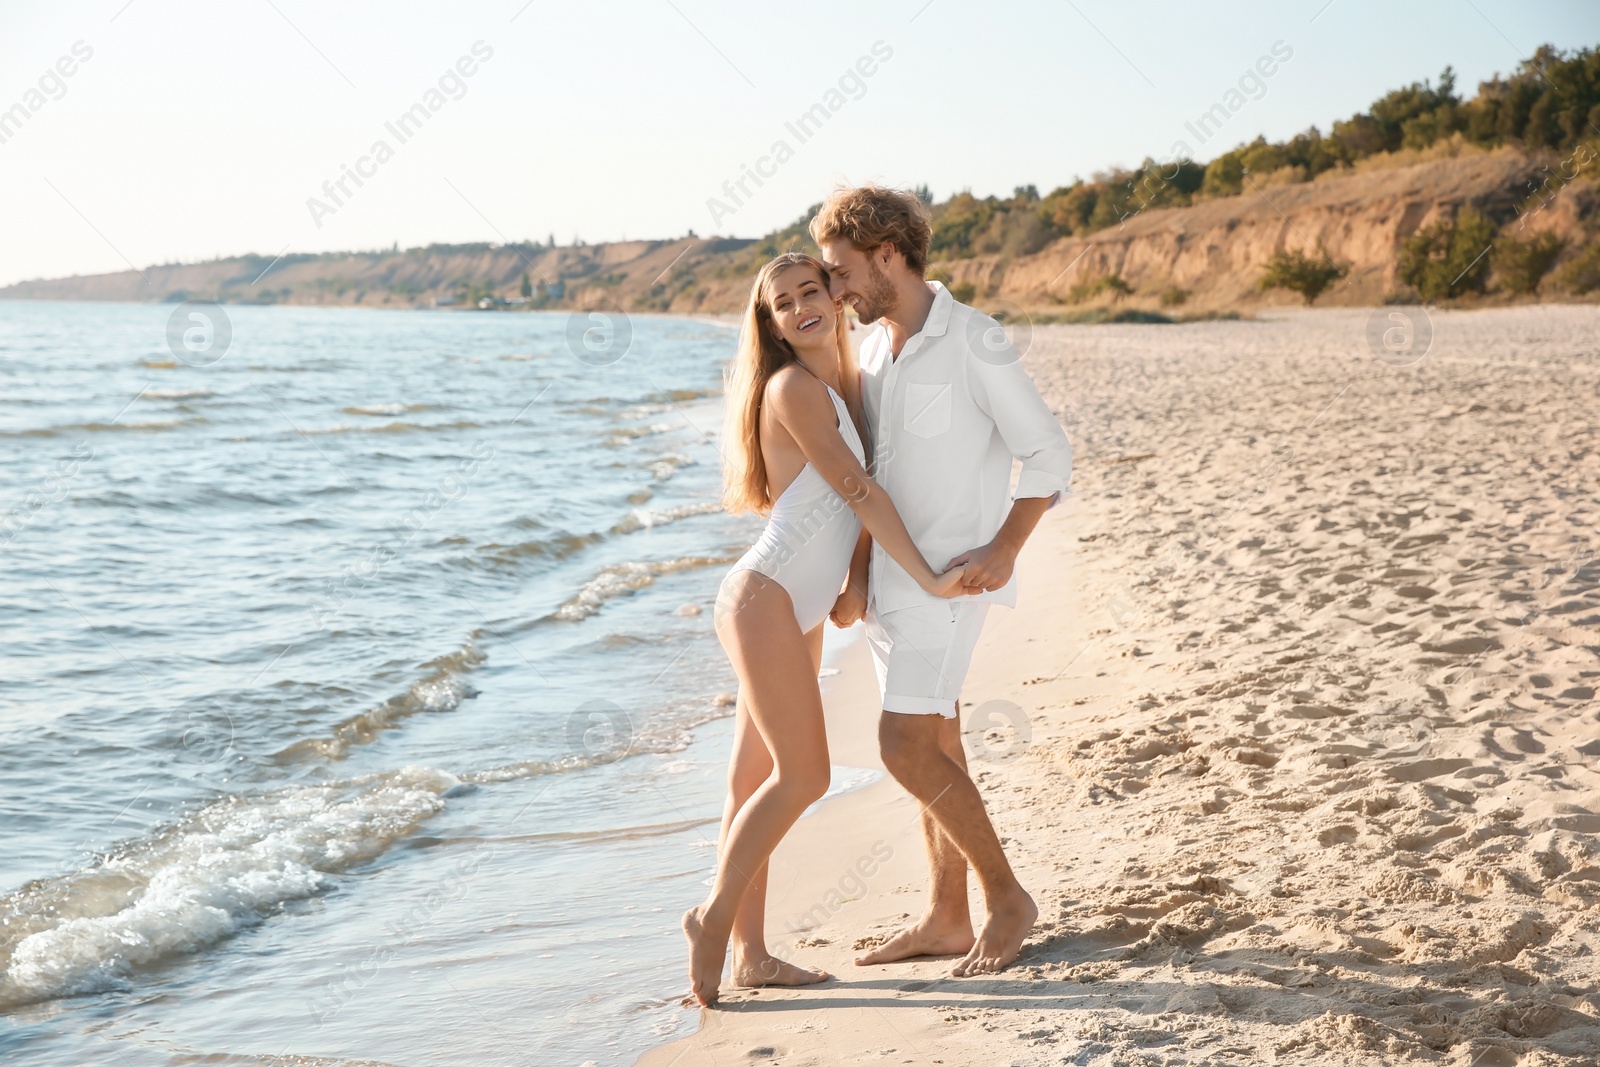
<point x="938" y="410"/>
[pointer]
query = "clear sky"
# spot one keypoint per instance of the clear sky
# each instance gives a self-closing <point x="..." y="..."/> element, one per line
<point x="196" y="129"/>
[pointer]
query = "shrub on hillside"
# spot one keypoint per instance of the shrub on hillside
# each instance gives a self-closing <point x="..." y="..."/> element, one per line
<point x="1582" y="275"/>
<point x="1299" y="273"/>
<point x="1520" y="266"/>
<point x="1447" y="259"/>
<point x="1111" y="283"/>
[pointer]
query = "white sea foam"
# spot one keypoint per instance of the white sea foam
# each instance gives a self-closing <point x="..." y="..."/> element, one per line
<point x="200" y="880"/>
<point x="176" y="394"/>
<point x="378" y="409"/>
<point x="623" y="578"/>
<point x="666" y="465"/>
<point x="624" y="434"/>
<point x="443" y="690"/>
<point x="646" y="518"/>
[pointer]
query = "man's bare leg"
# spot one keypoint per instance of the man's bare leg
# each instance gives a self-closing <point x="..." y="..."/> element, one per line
<point x="945" y="928"/>
<point x="915" y="755"/>
<point x="751" y="765"/>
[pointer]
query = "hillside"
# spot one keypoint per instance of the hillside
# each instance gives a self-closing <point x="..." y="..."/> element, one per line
<point x="632" y="273"/>
<point x="1425" y="195"/>
<point x="1204" y="257"/>
<point x="1211" y="256"/>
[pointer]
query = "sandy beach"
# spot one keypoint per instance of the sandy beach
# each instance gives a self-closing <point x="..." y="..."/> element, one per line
<point x="1294" y="732"/>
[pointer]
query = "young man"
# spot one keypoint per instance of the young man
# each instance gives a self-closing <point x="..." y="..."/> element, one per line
<point x="949" y="408"/>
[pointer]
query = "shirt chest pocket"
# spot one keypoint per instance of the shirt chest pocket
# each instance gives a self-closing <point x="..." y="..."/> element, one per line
<point x="927" y="408"/>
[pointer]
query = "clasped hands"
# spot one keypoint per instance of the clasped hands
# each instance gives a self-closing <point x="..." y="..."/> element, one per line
<point x="980" y="570"/>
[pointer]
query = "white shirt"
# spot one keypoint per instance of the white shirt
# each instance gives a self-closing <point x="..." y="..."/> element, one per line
<point x="947" y="419"/>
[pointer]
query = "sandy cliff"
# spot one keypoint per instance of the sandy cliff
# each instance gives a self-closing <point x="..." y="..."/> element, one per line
<point x="1216" y="250"/>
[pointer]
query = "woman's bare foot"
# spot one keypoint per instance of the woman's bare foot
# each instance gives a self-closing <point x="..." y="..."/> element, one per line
<point x="1000" y="941"/>
<point x="925" y="938"/>
<point x="705" y="958"/>
<point x="750" y="972"/>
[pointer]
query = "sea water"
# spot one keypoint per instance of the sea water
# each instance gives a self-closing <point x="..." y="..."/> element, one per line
<point x="361" y="697"/>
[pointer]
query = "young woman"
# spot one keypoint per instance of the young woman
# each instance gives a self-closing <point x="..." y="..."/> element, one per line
<point x="792" y="451"/>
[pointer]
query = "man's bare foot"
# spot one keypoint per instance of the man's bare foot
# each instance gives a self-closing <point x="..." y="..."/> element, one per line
<point x="1000" y="941"/>
<point x="750" y="972"/>
<point x="925" y="938"/>
<point x="705" y="959"/>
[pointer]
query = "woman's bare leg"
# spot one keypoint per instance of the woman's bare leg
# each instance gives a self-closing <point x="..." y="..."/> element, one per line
<point x="778" y="683"/>
<point x="750" y="766"/>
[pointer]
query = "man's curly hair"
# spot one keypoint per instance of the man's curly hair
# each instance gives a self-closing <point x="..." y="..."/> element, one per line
<point x="871" y="215"/>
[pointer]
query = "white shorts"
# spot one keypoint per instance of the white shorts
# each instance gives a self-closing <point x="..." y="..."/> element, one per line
<point x="922" y="654"/>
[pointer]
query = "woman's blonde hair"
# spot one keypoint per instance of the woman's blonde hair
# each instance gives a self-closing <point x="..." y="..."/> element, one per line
<point x="761" y="354"/>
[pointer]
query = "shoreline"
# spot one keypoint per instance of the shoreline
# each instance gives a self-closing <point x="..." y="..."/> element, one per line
<point x="1065" y="315"/>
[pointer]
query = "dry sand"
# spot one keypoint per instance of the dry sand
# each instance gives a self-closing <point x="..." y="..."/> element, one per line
<point x="1307" y="766"/>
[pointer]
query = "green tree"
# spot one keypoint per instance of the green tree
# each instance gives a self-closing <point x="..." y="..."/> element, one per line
<point x="1521" y="265"/>
<point x="527" y="286"/>
<point x="1299" y="273"/>
<point x="1069" y="208"/>
<point x="954" y="227"/>
<point x="1224" y="175"/>
<point x="1447" y="259"/>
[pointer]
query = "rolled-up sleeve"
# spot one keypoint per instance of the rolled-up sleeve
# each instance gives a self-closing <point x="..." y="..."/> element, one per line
<point x="1006" y="393"/>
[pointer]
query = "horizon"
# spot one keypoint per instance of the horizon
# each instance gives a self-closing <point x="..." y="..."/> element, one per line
<point x="296" y="129"/>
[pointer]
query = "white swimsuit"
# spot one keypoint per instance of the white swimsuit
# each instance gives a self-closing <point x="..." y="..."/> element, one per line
<point x="810" y="536"/>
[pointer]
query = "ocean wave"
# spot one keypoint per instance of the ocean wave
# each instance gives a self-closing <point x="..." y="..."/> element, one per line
<point x="649" y="518"/>
<point x="120" y="426"/>
<point x="610" y="404"/>
<point x="561" y="545"/>
<point x="398" y="427"/>
<point x="176" y="394"/>
<point x="443" y="689"/>
<point x="618" y="833"/>
<point x="388" y="409"/>
<point x="623" y="434"/>
<point x="667" y="400"/>
<point x="666" y="465"/>
<point x="624" y="579"/>
<point x="189" y="886"/>
<point x="557" y="546"/>
<point x="641" y="411"/>
<point x="667" y="730"/>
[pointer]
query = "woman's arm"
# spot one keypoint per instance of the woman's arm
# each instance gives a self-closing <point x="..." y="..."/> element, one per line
<point x="803" y="408"/>
<point x="850" y="606"/>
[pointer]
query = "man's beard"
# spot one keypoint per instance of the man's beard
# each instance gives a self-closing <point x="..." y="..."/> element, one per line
<point x="878" y="299"/>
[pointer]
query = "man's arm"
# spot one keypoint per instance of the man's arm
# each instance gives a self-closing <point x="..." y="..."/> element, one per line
<point x="1008" y="395"/>
<point x="990" y="567"/>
